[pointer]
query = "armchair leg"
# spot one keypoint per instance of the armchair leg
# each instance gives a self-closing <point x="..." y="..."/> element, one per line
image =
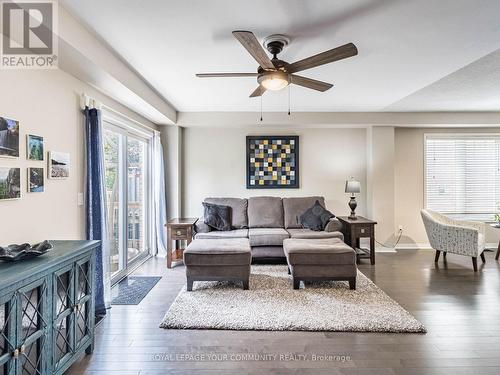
<point x="444" y="255"/>
<point x="437" y="256"/>
<point x="474" y="263"/>
<point x="482" y="258"/>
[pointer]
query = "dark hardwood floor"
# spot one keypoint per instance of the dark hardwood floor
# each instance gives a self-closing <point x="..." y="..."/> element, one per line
<point x="460" y="308"/>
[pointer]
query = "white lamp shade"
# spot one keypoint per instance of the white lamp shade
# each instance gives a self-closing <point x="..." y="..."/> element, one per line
<point x="352" y="186"/>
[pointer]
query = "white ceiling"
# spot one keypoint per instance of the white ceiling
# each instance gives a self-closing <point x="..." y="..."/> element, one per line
<point x="414" y="55"/>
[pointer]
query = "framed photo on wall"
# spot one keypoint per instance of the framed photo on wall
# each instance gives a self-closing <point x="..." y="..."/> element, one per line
<point x="35" y="180"/>
<point x="58" y="165"/>
<point x="34" y="147"/>
<point x="272" y="162"/>
<point x="10" y="183"/>
<point x="9" y="138"/>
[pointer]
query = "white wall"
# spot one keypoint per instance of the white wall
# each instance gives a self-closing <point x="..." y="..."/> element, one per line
<point x="380" y="148"/>
<point x="215" y="165"/>
<point x="47" y="103"/>
<point x="172" y="148"/>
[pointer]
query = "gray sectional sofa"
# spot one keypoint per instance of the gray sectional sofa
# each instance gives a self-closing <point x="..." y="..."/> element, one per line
<point x="267" y="222"/>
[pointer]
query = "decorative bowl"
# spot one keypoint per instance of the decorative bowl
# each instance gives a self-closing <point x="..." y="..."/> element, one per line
<point x="14" y="253"/>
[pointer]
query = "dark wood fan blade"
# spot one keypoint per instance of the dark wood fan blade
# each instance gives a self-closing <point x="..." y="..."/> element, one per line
<point x="212" y="75"/>
<point x="259" y="91"/>
<point x="339" y="53"/>
<point x="310" y="83"/>
<point x="252" y="45"/>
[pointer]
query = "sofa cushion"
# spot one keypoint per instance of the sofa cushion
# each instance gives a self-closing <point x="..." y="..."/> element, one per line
<point x="217" y="217"/>
<point x="265" y="212"/>
<point x="316" y="217"/>
<point x="334" y="225"/>
<point x="267" y="236"/>
<point x="201" y="227"/>
<point x="311" y="234"/>
<point x="293" y="208"/>
<point x="320" y="252"/>
<point x="222" y="252"/>
<point x="236" y="233"/>
<point x="239" y="218"/>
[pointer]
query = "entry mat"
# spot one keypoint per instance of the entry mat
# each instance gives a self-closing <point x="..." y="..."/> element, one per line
<point x="132" y="289"/>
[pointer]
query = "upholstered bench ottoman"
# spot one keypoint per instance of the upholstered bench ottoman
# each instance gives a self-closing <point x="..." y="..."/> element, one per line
<point x="225" y="259"/>
<point x="320" y="260"/>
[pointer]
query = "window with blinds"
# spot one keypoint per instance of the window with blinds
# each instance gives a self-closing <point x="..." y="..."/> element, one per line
<point x="462" y="175"/>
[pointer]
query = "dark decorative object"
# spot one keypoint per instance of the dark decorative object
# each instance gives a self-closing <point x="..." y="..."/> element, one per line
<point x="316" y="217"/>
<point x="217" y="216"/>
<point x="352" y="186"/>
<point x="272" y="162"/>
<point x="14" y="253"/>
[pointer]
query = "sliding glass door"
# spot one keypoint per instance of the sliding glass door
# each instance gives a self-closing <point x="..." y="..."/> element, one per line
<point x="136" y="198"/>
<point x="127" y="165"/>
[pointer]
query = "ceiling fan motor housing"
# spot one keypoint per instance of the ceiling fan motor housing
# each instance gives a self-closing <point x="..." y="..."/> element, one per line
<point x="275" y="43"/>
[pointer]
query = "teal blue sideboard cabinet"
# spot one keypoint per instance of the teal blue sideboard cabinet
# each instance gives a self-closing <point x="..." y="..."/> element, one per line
<point x="47" y="309"/>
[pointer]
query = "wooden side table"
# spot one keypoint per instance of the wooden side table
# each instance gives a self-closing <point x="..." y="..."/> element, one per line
<point x="178" y="229"/>
<point x="353" y="230"/>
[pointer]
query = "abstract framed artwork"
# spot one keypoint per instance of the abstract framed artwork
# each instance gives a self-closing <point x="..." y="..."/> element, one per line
<point x="34" y="147"/>
<point x="35" y="180"/>
<point x="10" y="183"/>
<point x="58" y="165"/>
<point x="272" y="162"/>
<point x="9" y="138"/>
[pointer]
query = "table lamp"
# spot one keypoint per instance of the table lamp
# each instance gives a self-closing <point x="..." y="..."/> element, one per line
<point x="352" y="186"/>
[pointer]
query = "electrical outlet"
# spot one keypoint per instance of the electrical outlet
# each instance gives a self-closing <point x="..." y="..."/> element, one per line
<point x="80" y="199"/>
<point x="400" y="228"/>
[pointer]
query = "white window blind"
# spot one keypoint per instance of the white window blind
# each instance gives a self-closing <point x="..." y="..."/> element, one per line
<point x="462" y="175"/>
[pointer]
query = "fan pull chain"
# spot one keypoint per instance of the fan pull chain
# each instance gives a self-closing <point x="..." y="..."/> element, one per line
<point x="261" y="108"/>
<point x="289" y="89"/>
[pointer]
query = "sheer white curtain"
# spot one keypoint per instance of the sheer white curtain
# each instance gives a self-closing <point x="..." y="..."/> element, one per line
<point x="160" y="206"/>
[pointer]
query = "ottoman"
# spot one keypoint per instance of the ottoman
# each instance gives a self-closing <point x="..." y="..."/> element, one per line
<point x="320" y="260"/>
<point x="225" y="259"/>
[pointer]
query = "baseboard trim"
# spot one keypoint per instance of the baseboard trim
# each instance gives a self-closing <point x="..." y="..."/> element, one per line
<point x="426" y="246"/>
<point x="413" y="246"/>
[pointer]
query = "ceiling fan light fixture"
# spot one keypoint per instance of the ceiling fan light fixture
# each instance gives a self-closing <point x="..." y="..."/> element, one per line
<point x="274" y="81"/>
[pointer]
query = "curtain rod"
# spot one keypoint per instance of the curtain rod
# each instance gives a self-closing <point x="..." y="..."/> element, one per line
<point x="88" y="101"/>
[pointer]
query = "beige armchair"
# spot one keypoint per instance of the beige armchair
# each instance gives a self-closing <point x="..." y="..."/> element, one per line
<point x="454" y="236"/>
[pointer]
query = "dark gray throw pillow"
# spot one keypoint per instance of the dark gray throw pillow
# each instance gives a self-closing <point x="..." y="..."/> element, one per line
<point x="316" y="217"/>
<point x="217" y="216"/>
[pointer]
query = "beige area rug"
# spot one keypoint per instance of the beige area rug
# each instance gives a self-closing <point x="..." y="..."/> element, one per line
<point x="271" y="304"/>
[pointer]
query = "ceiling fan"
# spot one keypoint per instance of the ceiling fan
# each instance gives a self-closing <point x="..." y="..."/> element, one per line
<point x="275" y="74"/>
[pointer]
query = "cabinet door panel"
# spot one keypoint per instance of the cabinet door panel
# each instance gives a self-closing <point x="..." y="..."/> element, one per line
<point x="63" y="313"/>
<point x="7" y="332"/>
<point x="32" y="325"/>
<point x="83" y="292"/>
<point x="83" y="277"/>
<point x="31" y="359"/>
